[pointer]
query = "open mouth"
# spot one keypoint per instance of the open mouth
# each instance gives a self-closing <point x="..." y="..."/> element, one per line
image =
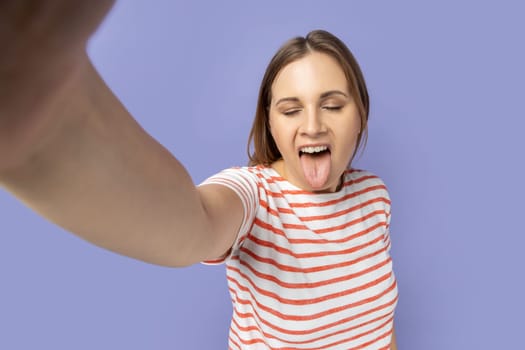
<point x="313" y="150"/>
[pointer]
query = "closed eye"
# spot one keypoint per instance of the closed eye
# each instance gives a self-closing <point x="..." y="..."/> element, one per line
<point x="291" y="112"/>
<point x="332" y="108"/>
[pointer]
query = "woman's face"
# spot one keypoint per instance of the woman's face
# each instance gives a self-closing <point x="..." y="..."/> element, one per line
<point x="314" y="121"/>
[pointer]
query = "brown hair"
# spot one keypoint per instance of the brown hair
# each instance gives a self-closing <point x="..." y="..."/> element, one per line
<point x="265" y="150"/>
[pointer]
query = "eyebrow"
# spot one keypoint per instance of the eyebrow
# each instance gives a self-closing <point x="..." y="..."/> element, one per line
<point x="333" y="92"/>
<point x="323" y="95"/>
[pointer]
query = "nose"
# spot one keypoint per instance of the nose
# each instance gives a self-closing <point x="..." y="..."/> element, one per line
<point x="312" y="124"/>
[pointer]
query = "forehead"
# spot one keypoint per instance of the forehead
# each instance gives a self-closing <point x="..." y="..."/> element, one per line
<point x="309" y="77"/>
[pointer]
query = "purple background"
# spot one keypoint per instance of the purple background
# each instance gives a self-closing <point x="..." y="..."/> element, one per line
<point x="447" y="117"/>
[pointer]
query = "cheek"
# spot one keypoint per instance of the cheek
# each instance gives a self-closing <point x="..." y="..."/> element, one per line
<point x="283" y="137"/>
<point x="275" y="134"/>
<point x="350" y="131"/>
<point x="275" y="129"/>
<point x="353" y="127"/>
<point x="279" y="140"/>
<point x="271" y="130"/>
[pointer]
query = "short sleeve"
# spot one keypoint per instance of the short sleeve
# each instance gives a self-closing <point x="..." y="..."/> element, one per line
<point x="245" y="184"/>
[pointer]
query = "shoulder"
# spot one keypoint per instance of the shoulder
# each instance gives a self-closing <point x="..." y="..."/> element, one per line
<point x="367" y="183"/>
<point x="363" y="176"/>
<point x="234" y="174"/>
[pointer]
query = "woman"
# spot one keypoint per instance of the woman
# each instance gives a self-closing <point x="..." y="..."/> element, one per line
<point x="304" y="236"/>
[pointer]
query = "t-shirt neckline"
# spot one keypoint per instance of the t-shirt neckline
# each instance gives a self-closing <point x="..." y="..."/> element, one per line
<point x="274" y="173"/>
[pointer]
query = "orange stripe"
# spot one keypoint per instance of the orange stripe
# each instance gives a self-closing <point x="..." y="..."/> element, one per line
<point x="320" y="299"/>
<point x="274" y="179"/>
<point x="344" y="212"/>
<point x="233" y="341"/>
<point x="322" y="204"/>
<point x="325" y="336"/>
<point x="286" y="251"/>
<point x="290" y="268"/>
<point x="338" y="227"/>
<point x="365" y="345"/>
<point x="274" y="279"/>
<point x="346" y="171"/>
<point x="258" y="319"/>
<point x="329" y="346"/>
<point x="275" y="212"/>
<point x="312" y="316"/>
<point x="351" y="223"/>
<point x="250" y="341"/>
<point x="264" y="204"/>
<point x="279" y="232"/>
<point x="342" y="199"/>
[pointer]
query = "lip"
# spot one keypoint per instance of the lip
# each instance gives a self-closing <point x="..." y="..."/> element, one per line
<point x="314" y="145"/>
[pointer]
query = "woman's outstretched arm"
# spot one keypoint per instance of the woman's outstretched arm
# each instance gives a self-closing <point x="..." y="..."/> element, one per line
<point x="71" y="151"/>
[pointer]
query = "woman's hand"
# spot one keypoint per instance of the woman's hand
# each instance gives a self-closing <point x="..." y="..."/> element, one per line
<point x="43" y="49"/>
<point x="47" y="26"/>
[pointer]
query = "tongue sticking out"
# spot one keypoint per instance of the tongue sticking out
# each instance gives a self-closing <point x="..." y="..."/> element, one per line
<point x="316" y="168"/>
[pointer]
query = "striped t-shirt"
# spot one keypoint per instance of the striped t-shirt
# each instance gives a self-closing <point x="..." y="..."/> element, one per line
<point x="309" y="270"/>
